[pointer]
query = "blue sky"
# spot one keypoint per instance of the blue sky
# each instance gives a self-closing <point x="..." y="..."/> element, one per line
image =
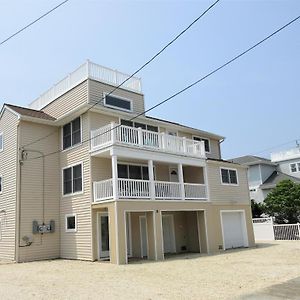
<point x="254" y="102"/>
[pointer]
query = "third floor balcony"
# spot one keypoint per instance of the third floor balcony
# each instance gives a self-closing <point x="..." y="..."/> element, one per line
<point x="114" y="134"/>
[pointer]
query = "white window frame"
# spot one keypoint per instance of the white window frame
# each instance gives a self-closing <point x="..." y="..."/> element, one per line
<point x="66" y="222"/>
<point x="1" y="178"/>
<point x="231" y="184"/>
<point x="62" y="179"/>
<point x="142" y="122"/>
<point x="62" y="136"/>
<point x="2" y="144"/>
<point x="296" y="163"/>
<point x="136" y="164"/>
<point x="203" y="138"/>
<point x="116" y="107"/>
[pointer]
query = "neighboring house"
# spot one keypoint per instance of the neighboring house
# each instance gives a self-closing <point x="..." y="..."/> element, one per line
<point x="81" y="180"/>
<point x="263" y="175"/>
<point x="288" y="161"/>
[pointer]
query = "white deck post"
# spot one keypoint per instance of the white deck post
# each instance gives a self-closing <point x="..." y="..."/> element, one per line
<point x="140" y="136"/>
<point x="180" y="177"/>
<point x="163" y="140"/>
<point x="113" y="132"/>
<point x="114" y="167"/>
<point x="184" y="144"/>
<point x="151" y="179"/>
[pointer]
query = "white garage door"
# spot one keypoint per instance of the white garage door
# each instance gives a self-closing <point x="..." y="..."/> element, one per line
<point x="234" y="231"/>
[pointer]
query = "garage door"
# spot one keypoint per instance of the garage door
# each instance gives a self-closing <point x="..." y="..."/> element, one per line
<point x="234" y="231"/>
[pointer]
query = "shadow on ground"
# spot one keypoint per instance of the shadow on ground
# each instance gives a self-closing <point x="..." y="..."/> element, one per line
<point x="286" y="290"/>
<point x="191" y="255"/>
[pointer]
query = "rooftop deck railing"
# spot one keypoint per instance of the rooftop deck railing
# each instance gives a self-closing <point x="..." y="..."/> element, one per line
<point x="87" y="70"/>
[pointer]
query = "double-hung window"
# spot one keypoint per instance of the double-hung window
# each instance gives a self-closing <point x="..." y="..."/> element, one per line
<point x="295" y="167"/>
<point x="72" y="179"/>
<point x="229" y="176"/>
<point x="133" y="172"/>
<point x="72" y="133"/>
<point x="206" y="142"/>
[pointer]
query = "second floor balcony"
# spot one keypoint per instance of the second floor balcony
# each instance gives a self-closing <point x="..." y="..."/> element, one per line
<point x="146" y="189"/>
<point x="114" y="134"/>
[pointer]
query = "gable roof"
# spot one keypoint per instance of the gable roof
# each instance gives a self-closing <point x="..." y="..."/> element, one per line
<point x="29" y="112"/>
<point x="250" y="160"/>
<point x="275" y="178"/>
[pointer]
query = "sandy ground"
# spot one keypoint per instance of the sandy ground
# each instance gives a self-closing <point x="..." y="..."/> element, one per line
<point x="221" y="276"/>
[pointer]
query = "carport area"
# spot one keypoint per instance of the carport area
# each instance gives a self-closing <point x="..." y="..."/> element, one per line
<point x="183" y="232"/>
<point x="175" y="232"/>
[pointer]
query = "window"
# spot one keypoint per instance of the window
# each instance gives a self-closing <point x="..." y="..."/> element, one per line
<point x="133" y="172"/>
<point x="229" y="176"/>
<point x="206" y="142"/>
<point x="1" y="184"/>
<point x="119" y="103"/>
<point x="72" y="133"/>
<point x="1" y="142"/>
<point x="72" y="180"/>
<point x="139" y="125"/>
<point x="71" y="223"/>
<point x="295" y="167"/>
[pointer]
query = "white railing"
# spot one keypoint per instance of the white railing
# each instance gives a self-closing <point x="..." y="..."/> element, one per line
<point x="86" y="70"/>
<point x="284" y="155"/>
<point x="133" y="188"/>
<point x="103" y="190"/>
<point x="141" y="189"/>
<point x="287" y="232"/>
<point x="101" y="136"/>
<point x="167" y="190"/>
<point x="195" y="191"/>
<point x="113" y="133"/>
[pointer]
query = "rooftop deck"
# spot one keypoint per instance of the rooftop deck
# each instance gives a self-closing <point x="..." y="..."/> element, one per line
<point x="85" y="71"/>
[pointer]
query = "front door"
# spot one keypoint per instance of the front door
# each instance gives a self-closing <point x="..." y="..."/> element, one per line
<point x="103" y="232"/>
<point x="168" y="234"/>
<point x="174" y="175"/>
<point x="143" y="236"/>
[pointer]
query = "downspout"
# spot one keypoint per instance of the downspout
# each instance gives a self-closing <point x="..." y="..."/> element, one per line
<point x="18" y="197"/>
<point x="220" y="142"/>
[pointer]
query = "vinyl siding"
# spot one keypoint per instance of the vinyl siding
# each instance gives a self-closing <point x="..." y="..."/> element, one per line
<point x="97" y="120"/>
<point x="98" y="89"/>
<point x="67" y="102"/>
<point x="44" y="246"/>
<point x="8" y="170"/>
<point x="221" y="193"/>
<point x="284" y="167"/>
<point x="77" y="245"/>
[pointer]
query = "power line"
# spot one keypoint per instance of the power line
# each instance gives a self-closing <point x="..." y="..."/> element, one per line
<point x="140" y="68"/>
<point x="33" y="22"/>
<point x="276" y="146"/>
<point x="192" y="84"/>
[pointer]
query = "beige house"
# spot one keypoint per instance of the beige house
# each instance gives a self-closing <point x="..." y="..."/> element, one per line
<point x="81" y="179"/>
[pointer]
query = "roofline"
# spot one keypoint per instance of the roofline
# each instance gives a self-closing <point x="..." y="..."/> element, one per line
<point x="108" y="111"/>
<point x="218" y="161"/>
<point x="4" y="107"/>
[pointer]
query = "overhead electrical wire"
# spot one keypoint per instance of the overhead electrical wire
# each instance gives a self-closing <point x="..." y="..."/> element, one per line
<point x="140" y="68"/>
<point x="33" y="22"/>
<point x="192" y="84"/>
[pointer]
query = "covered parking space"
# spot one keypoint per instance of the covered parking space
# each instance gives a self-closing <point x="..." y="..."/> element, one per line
<point x="184" y="231"/>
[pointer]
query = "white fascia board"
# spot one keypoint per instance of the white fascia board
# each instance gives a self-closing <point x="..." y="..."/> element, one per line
<point x="4" y="107"/>
<point x="226" y="164"/>
<point x="142" y="154"/>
